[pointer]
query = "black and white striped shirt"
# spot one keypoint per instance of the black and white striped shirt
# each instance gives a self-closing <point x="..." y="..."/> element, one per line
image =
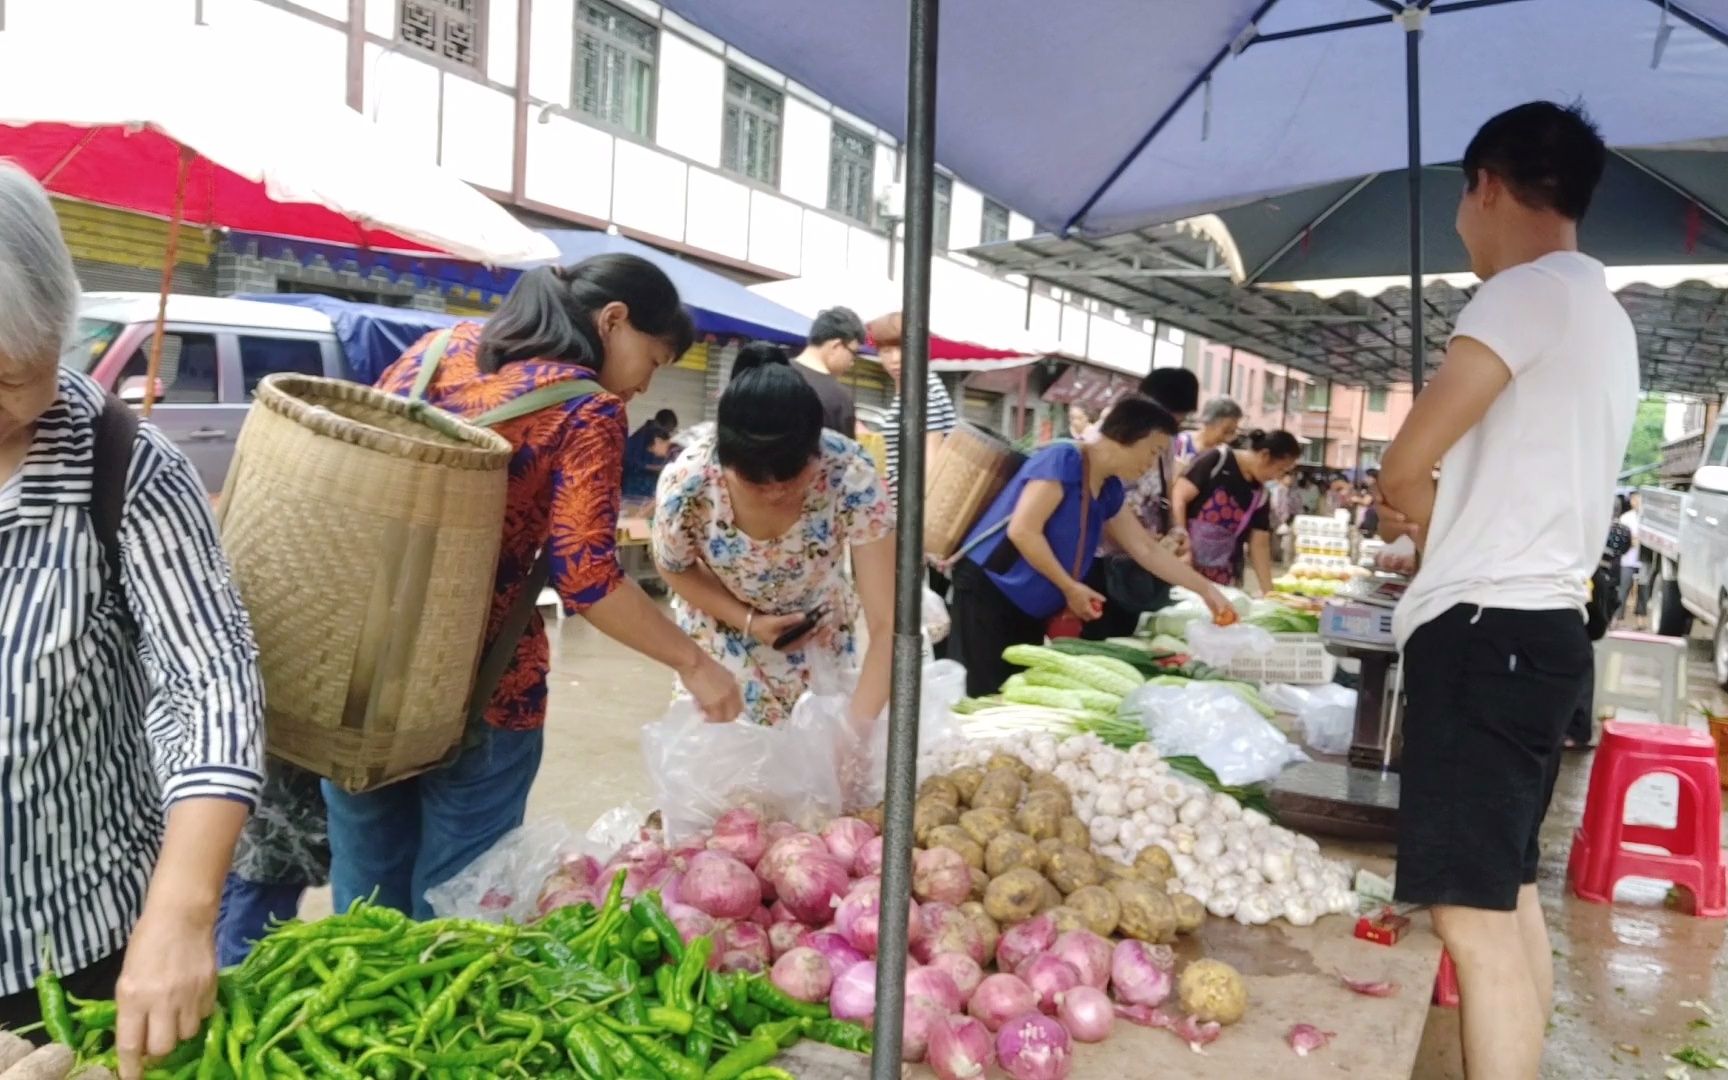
<point x="939" y="416"/>
<point x="114" y="704"/>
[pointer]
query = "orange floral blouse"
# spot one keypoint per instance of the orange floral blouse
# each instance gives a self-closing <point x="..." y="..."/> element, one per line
<point x="565" y="483"/>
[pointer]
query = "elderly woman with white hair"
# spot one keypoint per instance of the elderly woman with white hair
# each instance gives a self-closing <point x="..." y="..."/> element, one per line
<point x="1220" y="421"/>
<point x="130" y="700"/>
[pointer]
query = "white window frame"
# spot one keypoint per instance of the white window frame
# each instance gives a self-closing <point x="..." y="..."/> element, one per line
<point x="738" y="108"/>
<point x="609" y="41"/>
<point x="994" y="209"/>
<point x="852" y="175"/>
<point x="447" y="15"/>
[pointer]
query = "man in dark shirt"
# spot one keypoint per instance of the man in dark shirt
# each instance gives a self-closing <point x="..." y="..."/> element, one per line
<point x="645" y="454"/>
<point x="835" y="338"/>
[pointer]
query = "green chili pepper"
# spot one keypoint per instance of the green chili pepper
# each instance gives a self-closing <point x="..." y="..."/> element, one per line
<point x="665" y="1018"/>
<point x="772" y="998"/>
<point x="669" y="1061"/>
<point x="699" y="1044"/>
<point x="719" y="992"/>
<point x="358" y="1010"/>
<point x="645" y="947"/>
<point x="690" y="969"/>
<point x="270" y="1027"/>
<point x="665" y="979"/>
<point x="589" y="1057"/>
<point x="96" y="1016"/>
<point x="624" y="1055"/>
<point x="783" y="1032"/>
<point x="283" y="1065"/>
<point x="753" y="1052"/>
<point x="651" y="910"/>
<point x="210" y="1062"/>
<point x="51" y="999"/>
<point x="328" y="1063"/>
<point x="239" y="1007"/>
<point x="415" y="973"/>
<point x="747" y="1014"/>
<point x="337" y="985"/>
<point x="840" y="1033"/>
<point x="444" y="1005"/>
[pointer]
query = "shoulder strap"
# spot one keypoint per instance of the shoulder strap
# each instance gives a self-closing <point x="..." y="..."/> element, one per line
<point x="544" y="397"/>
<point x="1223" y="456"/>
<point x="497" y="658"/>
<point x="429" y="361"/>
<point x="116" y="431"/>
<point x="1085" y="514"/>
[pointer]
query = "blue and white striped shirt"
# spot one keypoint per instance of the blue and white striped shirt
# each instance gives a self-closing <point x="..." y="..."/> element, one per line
<point x="114" y="704"/>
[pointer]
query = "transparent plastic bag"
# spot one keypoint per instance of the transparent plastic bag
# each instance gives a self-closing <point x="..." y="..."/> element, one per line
<point x="935" y="617"/>
<point x="1216" y="646"/>
<point x="1328" y="721"/>
<point x="864" y="759"/>
<point x="505" y="882"/>
<point x="697" y="770"/>
<point x="1215" y="725"/>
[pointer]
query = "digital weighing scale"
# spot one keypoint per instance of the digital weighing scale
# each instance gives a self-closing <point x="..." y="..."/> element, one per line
<point x="1356" y="797"/>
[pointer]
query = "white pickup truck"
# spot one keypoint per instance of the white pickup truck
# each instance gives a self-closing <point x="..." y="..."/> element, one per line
<point x="1684" y="535"/>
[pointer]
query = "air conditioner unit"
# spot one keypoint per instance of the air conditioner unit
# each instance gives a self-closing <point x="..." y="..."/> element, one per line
<point x="891" y="202"/>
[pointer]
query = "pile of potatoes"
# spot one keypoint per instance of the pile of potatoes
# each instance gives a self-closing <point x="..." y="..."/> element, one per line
<point x="1029" y="855"/>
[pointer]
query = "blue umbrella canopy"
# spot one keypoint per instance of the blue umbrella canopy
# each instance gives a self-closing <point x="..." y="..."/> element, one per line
<point x="1111" y="114"/>
<point x="719" y="305"/>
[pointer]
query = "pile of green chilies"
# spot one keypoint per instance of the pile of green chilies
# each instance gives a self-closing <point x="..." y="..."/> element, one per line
<point x="587" y="994"/>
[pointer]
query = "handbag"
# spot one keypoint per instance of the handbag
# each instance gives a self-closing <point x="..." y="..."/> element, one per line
<point x="1066" y="624"/>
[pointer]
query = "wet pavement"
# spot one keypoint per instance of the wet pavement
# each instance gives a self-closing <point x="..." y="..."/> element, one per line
<point x="1634" y="982"/>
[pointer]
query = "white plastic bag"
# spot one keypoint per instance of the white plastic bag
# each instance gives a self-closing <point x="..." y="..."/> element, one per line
<point x="505" y="882"/>
<point x="864" y="763"/>
<point x="1215" y="725"/>
<point x="697" y="770"/>
<point x="1216" y="646"/>
<point x="1326" y="715"/>
<point x="935" y="617"/>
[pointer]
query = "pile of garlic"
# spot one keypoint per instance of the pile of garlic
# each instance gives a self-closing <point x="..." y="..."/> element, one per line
<point x="1234" y="861"/>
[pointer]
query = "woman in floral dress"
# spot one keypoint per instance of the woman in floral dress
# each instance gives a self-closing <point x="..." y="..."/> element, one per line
<point x="754" y="524"/>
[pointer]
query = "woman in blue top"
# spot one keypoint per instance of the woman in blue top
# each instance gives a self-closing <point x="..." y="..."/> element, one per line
<point x="1026" y="558"/>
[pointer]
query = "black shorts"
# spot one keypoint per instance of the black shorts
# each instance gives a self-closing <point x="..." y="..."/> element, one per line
<point x="1490" y="694"/>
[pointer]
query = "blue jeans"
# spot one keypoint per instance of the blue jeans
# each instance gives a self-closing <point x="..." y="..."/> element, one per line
<point x="247" y="908"/>
<point x="403" y="839"/>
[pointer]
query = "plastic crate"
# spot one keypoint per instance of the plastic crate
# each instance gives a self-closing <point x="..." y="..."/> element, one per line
<point x="1298" y="659"/>
<point x="1313" y="525"/>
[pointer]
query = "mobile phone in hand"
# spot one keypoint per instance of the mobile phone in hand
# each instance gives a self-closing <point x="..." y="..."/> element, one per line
<point x="798" y="630"/>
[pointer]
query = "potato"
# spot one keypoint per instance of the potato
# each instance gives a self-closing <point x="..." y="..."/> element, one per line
<point x="1012" y="898"/>
<point x="1052" y="898"/>
<point x="1070" y="869"/>
<point x="955" y="838"/>
<point x="1011" y="763"/>
<point x="987" y="928"/>
<point x="1049" y="846"/>
<point x="980" y="882"/>
<point x="1099" y="907"/>
<point x="1067" y="918"/>
<point x="1044" y="781"/>
<point x="1190" y="913"/>
<point x="942" y="788"/>
<point x="966" y="781"/>
<point x="1008" y="850"/>
<point x="1147" y="912"/>
<point x="1115" y="870"/>
<point x="928" y="815"/>
<point x="1212" y="991"/>
<point x="1152" y="859"/>
<point x="1041" y="815"/>
<point x="1000" y="788"/>
<point x="984" y="823"/>
<point x="872" y="817"/>
<point x="1074" y="833"/>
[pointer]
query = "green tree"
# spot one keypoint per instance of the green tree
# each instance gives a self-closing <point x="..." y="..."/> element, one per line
<point x="1645" y="449"/>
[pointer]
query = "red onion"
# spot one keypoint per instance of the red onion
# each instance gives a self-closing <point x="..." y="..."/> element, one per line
<point x="960" y="1049"/>
<point x="1141" y="975"/>
<point x="853" y="996"/>
<point x="740" y="961"/>
<point x="936" y="985"/>
<point x="1370" y="987"/>
<point x="690" y="922"/>
<point x="1146" y="1016"/>
<point x="810" y="887"/>
<point x="1087" y="1014"/>
<point x="722" y="886"/>
<point x="941" y="874"/>
<point x="838" y="951"/>
<point x="568" y="894"/>
<point x="1088" y="954"/>
<point x="859" y="915"/>
<point x="1032" y="936"/>
<point x="640" y="860"/>
<point x="1195" y="1033"/>
<point x="783" y="937"/>
<point x="844" y="836"/>
<point x="803" y="973"/>
<point x="963" y="970"/>
<point x="763" y="917"/>
<point x="923" y="1017"/>
<point x="1034" y="1047"/>
<point x="869" y="859"/>
<point x="746" y="938"/>
<point x="785" y="853"/>
<point x="497" y="899"/>
<point x="779" y="913"/>
<point x="1000" y="998"/>
<point x="1306" y="1038"/>
<point x="779" y="830"/>
<point x="739" y="834"/>
<point x="681" y="855"/>
<point x="668" y="881"/>
<point x="947" y="929"/>
<point x="1048" y="977"/>
<point x="584" y="868"/>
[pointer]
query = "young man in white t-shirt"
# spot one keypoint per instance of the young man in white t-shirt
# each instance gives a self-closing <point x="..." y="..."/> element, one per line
<point x="1529" y="419"/>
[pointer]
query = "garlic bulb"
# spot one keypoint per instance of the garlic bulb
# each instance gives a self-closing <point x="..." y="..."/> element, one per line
<point x="1223" y="905"/>
<point x="1193" y="811"/>
<point x="1104" y="829"/>
<point x="1299" y="911"/>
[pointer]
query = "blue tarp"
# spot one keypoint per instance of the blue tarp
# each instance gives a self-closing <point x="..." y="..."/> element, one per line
<point x="1039" y="104"/>
<point x="721" y="306"/>
<point x="372" y="336"/>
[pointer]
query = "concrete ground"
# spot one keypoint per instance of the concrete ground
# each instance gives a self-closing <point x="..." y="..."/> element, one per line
<point x="1635" y="982"/>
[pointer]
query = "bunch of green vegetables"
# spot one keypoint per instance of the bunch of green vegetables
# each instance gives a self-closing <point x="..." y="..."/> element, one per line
<point x="584" y="993"/>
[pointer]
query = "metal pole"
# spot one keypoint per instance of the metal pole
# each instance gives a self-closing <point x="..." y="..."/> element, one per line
<point x="909" y="553"/>
<point x="1413" y="17"/>
<point x="1361" y="422"/>
<point x="1326" y="429"/>
<point x="1230" y="375"/>
<point x="1284" y="420"/>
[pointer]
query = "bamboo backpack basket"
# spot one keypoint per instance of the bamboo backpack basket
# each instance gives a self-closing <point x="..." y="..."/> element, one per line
<point x="971" y="468"/>
<point x="364" y="531"/>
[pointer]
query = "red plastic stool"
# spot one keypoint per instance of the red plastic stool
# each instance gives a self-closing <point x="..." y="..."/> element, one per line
<point x="1600" y="858"/>
<point x="1446" y="983"/>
